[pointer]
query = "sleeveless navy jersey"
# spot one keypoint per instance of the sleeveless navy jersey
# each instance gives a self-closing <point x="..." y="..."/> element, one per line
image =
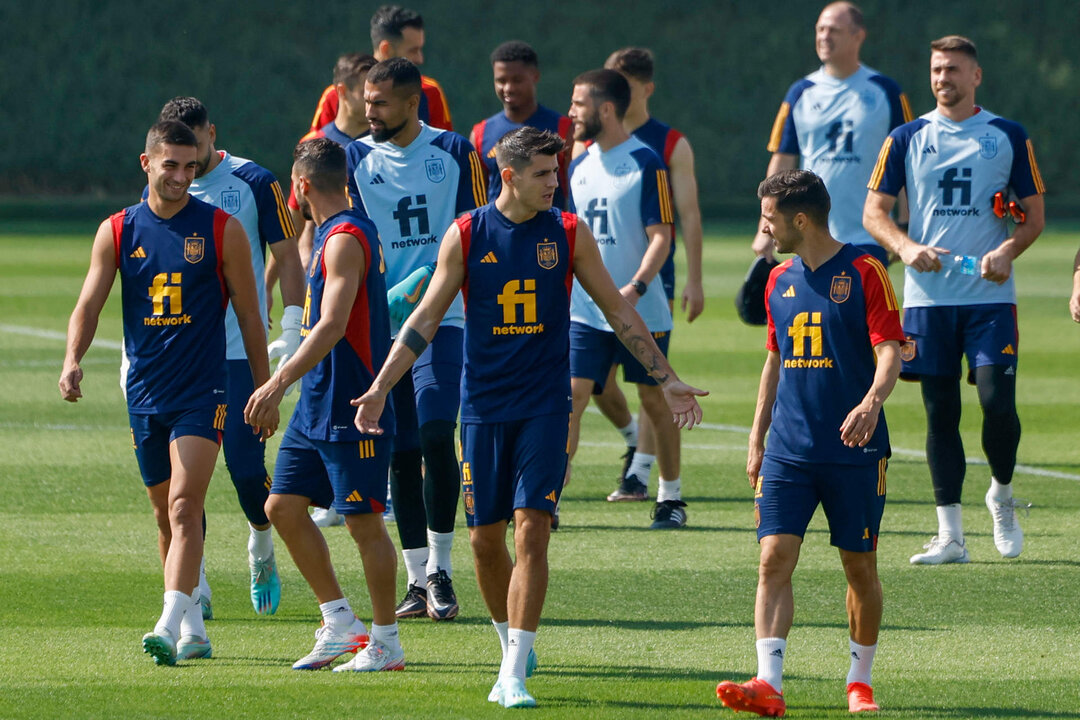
<point x="173" y="298"/>
<point x="488" y="132"/>
<point x="517" y="286"/>
<point x="825" y="324"/>
<point x="347" y="371"/>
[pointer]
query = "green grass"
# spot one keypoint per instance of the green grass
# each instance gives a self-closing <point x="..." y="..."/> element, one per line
<point x="637" y="623"/>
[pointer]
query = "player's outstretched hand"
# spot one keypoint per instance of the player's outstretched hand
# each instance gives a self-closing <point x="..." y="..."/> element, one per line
<point x="1074" y="306"/>
<point x="922" y="257"/>
<point x="69" y="383"/>
<point x="369" y="408"/>
<point x="996" y="266"/>
<point x="261" y="411"/>
<point x="682" y="400"/>
<point x="859" y="425"/>
<point x="693" y="301"/>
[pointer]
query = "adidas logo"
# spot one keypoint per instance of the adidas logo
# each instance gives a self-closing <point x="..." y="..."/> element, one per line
<point x="854" y="655"/>
<point x="550" y="496"/>
<point x="790" y="292"/>
<point x="929" y="150"/>
<point x="1008" y="350"/>
<point x="777" y="653"/>
<point x="139" y="253"/>
<point x="355" y="496"/>
<point x="491" y="153"/>
<point x="1010" y="370"/>
<point x="489" y="258"/>
<point x="377" y="180"/>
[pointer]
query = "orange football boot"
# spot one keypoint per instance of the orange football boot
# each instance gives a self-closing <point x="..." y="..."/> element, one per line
<point x="756" y="696"/>
<point x="860" y="698"/>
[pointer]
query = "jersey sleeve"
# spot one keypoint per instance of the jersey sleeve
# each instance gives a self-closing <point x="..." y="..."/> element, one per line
<point x="326" y="109"/>
<point x="770" y="330"/>
<point x="353" y="157"/>
<point x="890" y="171"/>
<point x="899" y="109"/>
<point x="1024" y="176"/>
<point x="569" y="181"/>
<point x="438" y="107"/>
<point x="882" y="310"/>
<point x="275" y="222"/>
<point x="655" y="190"/>
<point x="472" y="185"/>
<point x="783" y="139"/>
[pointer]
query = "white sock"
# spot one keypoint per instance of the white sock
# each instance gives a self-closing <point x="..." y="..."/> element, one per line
<point x="386" y="635"/>
<point x="770" y="661"/>
<point x="416" y="565"/>
<point x="261" y="543"/>
<point x="176" y="604"/>
<point x="204" y="586"/>
<point x="518" y="644"/>
<point x="669" y="490"/>
<point x="629" y="433"/>
<point x="439" y="545"/>
<point x="1000" y="492"/>
<point x="641" y="466"/>
<point x="949" y="522"/>
<point x="192" y="622"/>
<point x="862" y="661"/>
<point x="337" y="613"/>
<point x="503" y="628"/>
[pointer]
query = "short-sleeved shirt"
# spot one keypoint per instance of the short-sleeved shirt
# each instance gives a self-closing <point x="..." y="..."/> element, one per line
<point x="836" y="127"/>
<point x="434" y="110"/>
<point x="173" y="299"/>
<point x="347" y="371"/>
<point x="487" y="133"/>
<point x="951" y="171"/>
<point x="517" y="329"/>
<point x="618" y="193"/>
<point x="824" y="323"/>
<point x="412" y="194"/>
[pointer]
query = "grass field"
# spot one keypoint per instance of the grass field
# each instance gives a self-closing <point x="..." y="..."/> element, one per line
<point x="637" y="623"/>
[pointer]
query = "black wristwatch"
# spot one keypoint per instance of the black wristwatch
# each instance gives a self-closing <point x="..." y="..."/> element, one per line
<point x="639" y="287"/>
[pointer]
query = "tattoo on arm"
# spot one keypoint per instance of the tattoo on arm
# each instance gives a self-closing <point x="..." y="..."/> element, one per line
<point x="640" y="348"/>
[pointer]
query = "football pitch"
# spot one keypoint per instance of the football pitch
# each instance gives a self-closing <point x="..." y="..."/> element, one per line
<point x="637" y="623"/>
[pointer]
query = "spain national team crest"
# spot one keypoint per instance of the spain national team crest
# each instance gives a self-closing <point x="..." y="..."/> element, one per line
<point x="622" y="175"/>
<point x="470" y="502"/>
<point x="907" y="350"/>
<point x="230" y="201"/>
<point x="194" y="248"/>
<point x="988" y="147"/>
<point x="547" y="254"/>
<point x="435" y="169"/>
<point x="840" y="290"/>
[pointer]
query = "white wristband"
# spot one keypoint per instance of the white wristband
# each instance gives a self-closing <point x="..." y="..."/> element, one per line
<point x="290" y="317"/>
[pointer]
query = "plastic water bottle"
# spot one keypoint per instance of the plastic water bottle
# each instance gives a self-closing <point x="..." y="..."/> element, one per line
<point x="966" y="264"/>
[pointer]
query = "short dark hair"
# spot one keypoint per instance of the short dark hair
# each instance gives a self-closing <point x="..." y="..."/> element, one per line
<point x="515" y="51"/>
<point x="169" y="132"/>
<point x="322" y="161"/>
<point x="389" y="21"/>
<point x="187" y="110"/>
<point x="956" y="43"/>
<point x="854" y="12"/>
<point x="607" y="86"/>
<point x="401" y="73"/>
<point x="634" y="62"/>
<point x="351" y="68"/>
<point x="798" y="191"/>
<point x="518" y="147"/>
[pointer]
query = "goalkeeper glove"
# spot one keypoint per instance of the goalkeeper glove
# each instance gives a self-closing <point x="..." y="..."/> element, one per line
<point x="289" y="340"/>
<point x="405" y="296"/>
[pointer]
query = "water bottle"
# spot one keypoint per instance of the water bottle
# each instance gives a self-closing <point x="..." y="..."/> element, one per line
<point x="967" y="264"/>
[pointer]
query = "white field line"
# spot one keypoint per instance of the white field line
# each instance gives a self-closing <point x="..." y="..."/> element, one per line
<point x="53" y="335"/>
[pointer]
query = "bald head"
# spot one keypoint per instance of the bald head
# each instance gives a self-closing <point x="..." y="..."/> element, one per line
<point x="838" y="36"/>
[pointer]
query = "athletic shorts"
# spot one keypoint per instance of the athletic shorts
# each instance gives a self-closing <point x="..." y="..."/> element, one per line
<point x="347" y="476"/>
<point x="667" y="273"/>
<point x="152" y="434"/>
<point x="593" y="352"/>
<point x="937" y="337"/>
<point x="433" y="391"/>
<point x="853" y="497"/>
<point x="244" y="450"/>
<point x="511" y="465"/>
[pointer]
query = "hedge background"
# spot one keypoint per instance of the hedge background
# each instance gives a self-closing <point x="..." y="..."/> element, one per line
<point x="82" y="81"/>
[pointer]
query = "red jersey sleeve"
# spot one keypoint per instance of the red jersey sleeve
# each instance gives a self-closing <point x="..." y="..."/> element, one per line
<point x="882" y="310"/>
<point x="438" y="108"/>
<point x="770" y="336"/>
<point x="326" y="110"/>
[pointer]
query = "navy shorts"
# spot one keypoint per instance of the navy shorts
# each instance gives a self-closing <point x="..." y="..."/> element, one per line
<point x="667" y="273"/>
<point x="433" y="392"/>
<point x="937" y="337"/>
<point x="244" y="450"/>
<point x="593" y="352"/>
<point x="347" y="476"/>
<point x="152" y="434"/>
<point x="511" y="465"/>
<point x="853" y="497"/>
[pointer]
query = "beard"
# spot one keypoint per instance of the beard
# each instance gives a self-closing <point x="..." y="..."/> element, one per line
<point x="590" y="127"/>
<point x="386" y="132"/>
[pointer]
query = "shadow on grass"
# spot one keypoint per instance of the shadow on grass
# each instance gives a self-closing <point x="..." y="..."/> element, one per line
<point x="661" y="625"/>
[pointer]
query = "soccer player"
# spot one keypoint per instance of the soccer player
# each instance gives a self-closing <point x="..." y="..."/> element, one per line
<point x="181" y="262"/>
<point x="834" y="356"/>
<point x="253" y="196"/>
<point x="516" y="69"/>
<point x="412" y="180"/>
<point x="396" y="32"/>
<point x="636" y="65"/>
<point x="619" y="186"/>
<point x="833" y="122"/>
<point x="514" y="259"/>
<point x="959" y="297"/>
<point x="323" y="459"/>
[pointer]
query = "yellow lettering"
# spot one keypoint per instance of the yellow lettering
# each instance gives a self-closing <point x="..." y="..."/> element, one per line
<point x="162" y="290"/>
<point x="514" y="293"/>
<point x="806" y="326"/>
<point x="305" y="318"/>
<point x="466" y="474"/>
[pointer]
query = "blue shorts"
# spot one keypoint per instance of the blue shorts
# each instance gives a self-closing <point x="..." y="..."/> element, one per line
<point x="347" y="476"/>
<point x="853" y="497"/>
<point x="937" y="337"/>
<point x="152" y="434"/>
<point x="876" y="251"/>
<point x="667" y="273"/>
<point x="593" y="352"/>
<point x="511" y="465"/>
<point x="244" y="450"/>
<point x="433" y="392"/>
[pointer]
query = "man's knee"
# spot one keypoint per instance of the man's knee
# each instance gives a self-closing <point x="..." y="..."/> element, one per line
<point x="488" y="542"/>
<point x="185" y="512"/>
<point x="997" y="391"/>
<point x="861" y="570"/>
<point x="779" y="554"/>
